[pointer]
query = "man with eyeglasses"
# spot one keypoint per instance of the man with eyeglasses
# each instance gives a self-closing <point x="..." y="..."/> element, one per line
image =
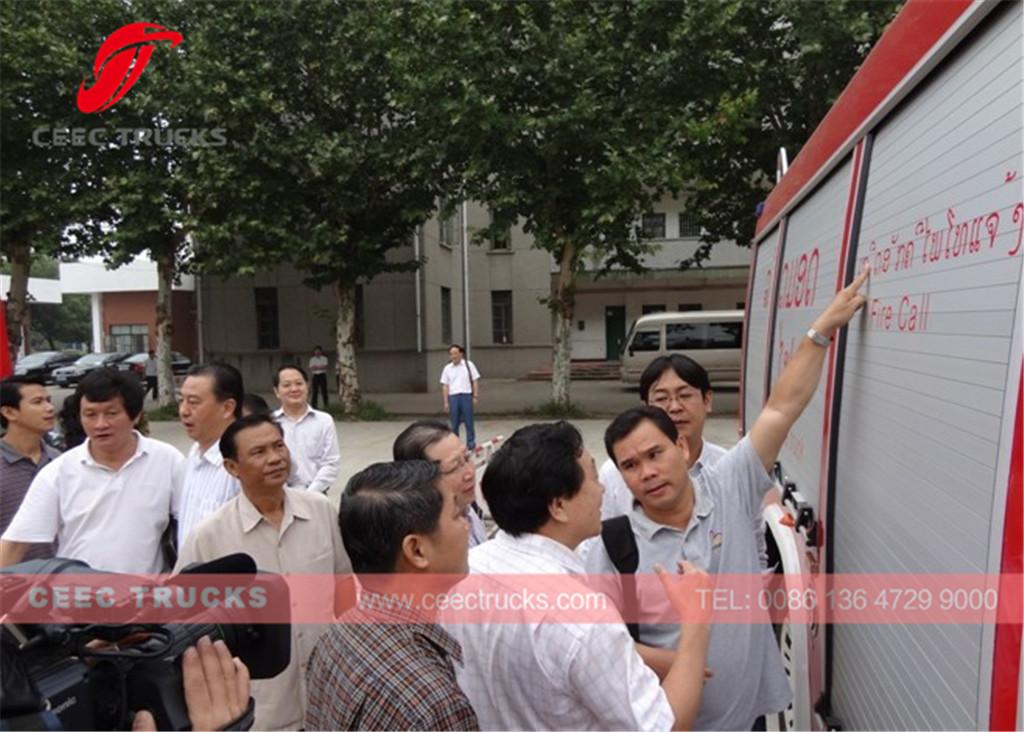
<point x="433" y="440"/>
<point x="679" y="386"/>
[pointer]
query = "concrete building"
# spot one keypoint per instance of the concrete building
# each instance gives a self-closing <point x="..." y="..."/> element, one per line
<point x="124" y="305"/>
<point x="488" y="296"/>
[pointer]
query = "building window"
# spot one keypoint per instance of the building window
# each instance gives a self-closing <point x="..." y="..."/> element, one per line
<point x="653" y="226"/>
<point x="446" y="315"/>
<point x="688" y="228"/>
<point x="447" y="227"/>
<point x="645" y="309"/>
<point x="129" y="338"/>
<point x="501" y="316"/>
<point x="689" y="307"/>
<point x="501" y="236"/>
<point x="267" y="334"/>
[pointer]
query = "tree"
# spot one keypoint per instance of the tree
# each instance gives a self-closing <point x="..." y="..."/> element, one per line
<point x="48" y="202"/>
<point x="325" y="167"/>
<point x="59" y="325"/>
<point x="145" y="189"/>
<point x="791" y="59"/>
<point x="572" y="119"/>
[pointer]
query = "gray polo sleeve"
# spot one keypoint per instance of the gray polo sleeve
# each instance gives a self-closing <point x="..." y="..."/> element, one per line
<point x="741" y="473"/>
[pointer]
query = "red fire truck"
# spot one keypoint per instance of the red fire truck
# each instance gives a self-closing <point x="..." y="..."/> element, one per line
<point x="909" y="459"/>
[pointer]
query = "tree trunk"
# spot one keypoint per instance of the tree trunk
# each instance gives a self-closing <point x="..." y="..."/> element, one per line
<point x="164" y="329"/>
<point x="565" y="302"/>
<point x="19" y="319"/>
<point x="345" y="337"/>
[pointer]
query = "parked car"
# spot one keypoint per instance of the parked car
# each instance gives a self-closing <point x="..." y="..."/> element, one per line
<point x="714" y="338"/>
<point x="137" y="363"/>
<point x="41" y="364"/>
<point x="69" y="375"/>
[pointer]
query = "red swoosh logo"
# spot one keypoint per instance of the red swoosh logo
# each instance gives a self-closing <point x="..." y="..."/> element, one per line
<point x="120" y="62"/>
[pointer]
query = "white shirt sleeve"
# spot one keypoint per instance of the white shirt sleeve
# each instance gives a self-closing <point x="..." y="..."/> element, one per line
<point x="614" y="683"/>
<point x="473" y="371"/>
<point x="617" y="499"/>
<point x="444" y="375"/>
<point x="38" y="517"/>
<point x="330" y="459"/>
<point x="178" y="468"/>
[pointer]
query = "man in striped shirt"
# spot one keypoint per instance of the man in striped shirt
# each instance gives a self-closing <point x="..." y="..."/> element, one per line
<point x="211" y="399"/>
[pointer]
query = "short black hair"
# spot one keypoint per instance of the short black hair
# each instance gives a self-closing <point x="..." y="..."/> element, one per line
<point x="10" y="392"/>
<point x="412" y="443"/>
<point x="456" y="345"/>
<point x="70" y="418"/>
<point x="227" y="382"/>
<point x="382" y="505"/>
<point x="625" y="423"/>
<point x="102" y="385"/>
<point x="293" y="366"/>
<point x="685" y="367"/>
<point x="229" y="440"/>
<point x="255" y="404"/>
<point x="535" y="466"/>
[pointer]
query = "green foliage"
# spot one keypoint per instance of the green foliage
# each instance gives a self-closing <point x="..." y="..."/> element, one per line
<point x="166" y="413"/>
<point x="789" y="60"/>
<point x="61" y="324"/>
<point x="326" y="169"/>
<point x="366" y="411"/>
<point x="555" y="410"/>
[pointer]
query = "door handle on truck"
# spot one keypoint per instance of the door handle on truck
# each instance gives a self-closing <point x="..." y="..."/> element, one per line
<point x="804" y="517"/>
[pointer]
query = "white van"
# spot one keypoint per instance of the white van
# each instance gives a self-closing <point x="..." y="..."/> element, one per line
<point x="712" y="338"/>
<point x="905" y="467"/>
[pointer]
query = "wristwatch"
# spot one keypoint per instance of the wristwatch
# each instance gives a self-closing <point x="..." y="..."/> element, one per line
<point x="818" y="338"/>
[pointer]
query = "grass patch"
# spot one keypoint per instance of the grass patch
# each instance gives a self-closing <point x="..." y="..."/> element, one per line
<point x="367" y="411"/>
<point x="554" y="410"/>
<point x="163" y="414"/>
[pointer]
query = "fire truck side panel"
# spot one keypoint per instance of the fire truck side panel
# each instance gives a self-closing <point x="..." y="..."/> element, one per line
<point x="758" y="326"/>
<point x="810" y="265"/>
<point x="927" y="371"/>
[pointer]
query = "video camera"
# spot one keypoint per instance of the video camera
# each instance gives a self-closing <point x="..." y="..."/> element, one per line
<point x="90" y="676"/>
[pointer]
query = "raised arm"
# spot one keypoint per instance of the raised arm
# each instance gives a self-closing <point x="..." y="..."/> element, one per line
<point x="799" y="379"/>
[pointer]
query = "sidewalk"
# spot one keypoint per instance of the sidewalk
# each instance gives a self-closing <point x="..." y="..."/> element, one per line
<point x="511" y="396"/>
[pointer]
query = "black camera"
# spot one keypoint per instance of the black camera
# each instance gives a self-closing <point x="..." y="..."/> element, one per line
<point x="90" y="676"/>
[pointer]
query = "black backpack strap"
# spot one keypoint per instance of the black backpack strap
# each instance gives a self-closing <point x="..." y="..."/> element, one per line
<point x="620" y="543"/>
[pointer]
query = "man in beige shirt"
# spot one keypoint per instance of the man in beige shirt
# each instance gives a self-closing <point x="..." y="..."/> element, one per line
<point x="285" y="531"/>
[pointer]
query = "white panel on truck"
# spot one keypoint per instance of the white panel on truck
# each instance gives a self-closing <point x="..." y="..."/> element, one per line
<point x="810" y="267"/>
<point x="759" y="310"/>
<point x="925" y="372"/>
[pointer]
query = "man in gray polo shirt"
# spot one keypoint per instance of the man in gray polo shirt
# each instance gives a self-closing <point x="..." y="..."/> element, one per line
<point x="706" y="519"/>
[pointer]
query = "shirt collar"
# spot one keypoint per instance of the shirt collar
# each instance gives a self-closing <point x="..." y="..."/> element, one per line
<point x="141" y="448"/>
<point x="251" y="516"/>
<point x="11" y="455"/>
<point x="279" y="414"/>
<point x="212" y="454"/>
<point x="703" y="505"/>
<point x="545" y="548"/>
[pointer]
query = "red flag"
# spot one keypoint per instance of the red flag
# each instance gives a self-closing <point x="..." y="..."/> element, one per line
<point x="5" y="345"/>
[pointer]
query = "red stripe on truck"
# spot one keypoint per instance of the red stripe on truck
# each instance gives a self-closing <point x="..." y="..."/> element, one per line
<point x="1006" y="659"/>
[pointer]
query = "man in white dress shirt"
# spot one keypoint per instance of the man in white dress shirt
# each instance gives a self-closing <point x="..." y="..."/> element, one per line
<point x="211" y="399"/>
<point x="542" y="673"/>
<point x="109" y="500"/>
<point x="309" y="433"/>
